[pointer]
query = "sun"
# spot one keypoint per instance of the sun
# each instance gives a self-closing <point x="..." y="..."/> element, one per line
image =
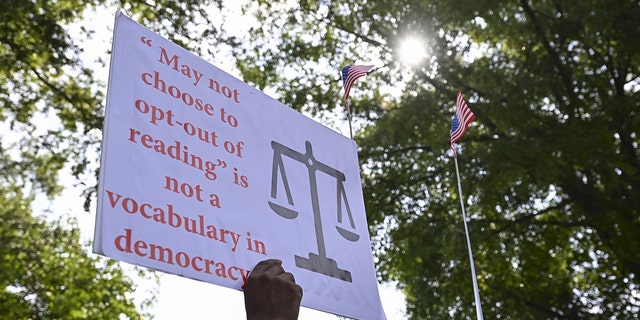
<point x="412" y="51"/>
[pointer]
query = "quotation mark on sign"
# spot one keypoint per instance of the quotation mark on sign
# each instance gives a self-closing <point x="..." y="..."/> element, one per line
<point x="146" y="41"/>
<point x="222" y="163"/>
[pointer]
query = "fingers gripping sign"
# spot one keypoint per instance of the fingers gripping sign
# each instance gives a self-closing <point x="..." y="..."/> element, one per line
<point x="271" y="292"/>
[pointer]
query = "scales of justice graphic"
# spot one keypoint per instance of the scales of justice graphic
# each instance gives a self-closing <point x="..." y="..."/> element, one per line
<point x="319" y="262"/>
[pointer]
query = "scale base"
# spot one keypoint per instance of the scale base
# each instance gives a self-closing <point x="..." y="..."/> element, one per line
<point x="323" y="265"/>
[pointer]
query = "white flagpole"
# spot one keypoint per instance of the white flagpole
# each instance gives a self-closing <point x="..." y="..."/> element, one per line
<point x="349" y="117"/>
<point x="476" y="292"/>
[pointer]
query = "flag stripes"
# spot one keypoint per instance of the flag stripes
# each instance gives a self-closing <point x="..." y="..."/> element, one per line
<point x="349" y="75"/>
<point x="461" y="121"/>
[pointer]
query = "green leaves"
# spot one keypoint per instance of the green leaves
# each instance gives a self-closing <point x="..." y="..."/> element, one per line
<point x="549" y="167"/>
<point x="48" y="275"/>
<point x="51" y="104"/>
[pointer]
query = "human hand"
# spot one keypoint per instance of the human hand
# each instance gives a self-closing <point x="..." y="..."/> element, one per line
<point x="271" y="293"/>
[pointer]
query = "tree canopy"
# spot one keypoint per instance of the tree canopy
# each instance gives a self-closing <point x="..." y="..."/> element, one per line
<point x="51" y="102"/>
<point x="47" y="274"/>
<point x="550" y="168"/>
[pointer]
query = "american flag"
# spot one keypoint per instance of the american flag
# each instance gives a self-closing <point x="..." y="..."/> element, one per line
<point x="461" y="121"/>
<point x="349" y="75"/>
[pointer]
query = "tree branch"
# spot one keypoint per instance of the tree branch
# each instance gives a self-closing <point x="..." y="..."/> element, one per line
<point x="555" y="57"/>
<point x="529" y="218"/>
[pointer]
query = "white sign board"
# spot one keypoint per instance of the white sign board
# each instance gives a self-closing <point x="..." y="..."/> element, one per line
<point x="204" y="176"/>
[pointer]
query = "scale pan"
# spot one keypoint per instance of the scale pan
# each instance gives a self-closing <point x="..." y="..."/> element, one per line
<point x="353" y="237"/>
<point x="282" y="211"/>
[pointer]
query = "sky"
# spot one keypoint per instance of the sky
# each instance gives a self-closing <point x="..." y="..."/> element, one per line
<point x="177" y="298"/>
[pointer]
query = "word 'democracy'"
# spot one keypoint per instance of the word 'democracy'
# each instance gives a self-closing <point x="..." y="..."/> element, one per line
<point x="165" y="255"/>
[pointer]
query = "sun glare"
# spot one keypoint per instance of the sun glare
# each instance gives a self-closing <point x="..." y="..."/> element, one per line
<point x="412" y="51"/>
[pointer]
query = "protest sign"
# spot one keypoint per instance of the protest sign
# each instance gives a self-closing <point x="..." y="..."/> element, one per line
<point x="203" y="176"/>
